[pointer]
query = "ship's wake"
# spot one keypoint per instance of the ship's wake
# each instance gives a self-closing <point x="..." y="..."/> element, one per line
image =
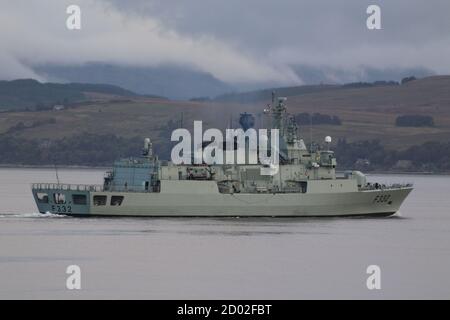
<point x="46" y="215"/>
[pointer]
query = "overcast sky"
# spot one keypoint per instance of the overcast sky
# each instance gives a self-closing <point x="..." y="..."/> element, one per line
<point x="237" y="41"/>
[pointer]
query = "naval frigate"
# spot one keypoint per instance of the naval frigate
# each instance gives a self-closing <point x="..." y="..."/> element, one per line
<point x="306" y="185"/>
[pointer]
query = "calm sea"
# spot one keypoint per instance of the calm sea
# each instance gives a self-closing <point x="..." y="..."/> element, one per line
<point x="234" y="258"/>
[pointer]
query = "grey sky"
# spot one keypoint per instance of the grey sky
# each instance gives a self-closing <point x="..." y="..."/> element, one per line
<point x="235" y="40"/>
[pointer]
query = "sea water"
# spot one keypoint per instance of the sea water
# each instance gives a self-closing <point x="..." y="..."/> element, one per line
<point x="222" y="258"/>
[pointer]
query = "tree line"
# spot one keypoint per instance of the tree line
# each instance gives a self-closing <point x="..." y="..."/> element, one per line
<point x="102" y="149"/>
<point x="431" y="156"/>
<point x="316" y="119"/>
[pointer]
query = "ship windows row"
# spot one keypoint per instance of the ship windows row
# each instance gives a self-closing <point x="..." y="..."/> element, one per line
<point x="102" y="200"/>
<point x="79" y="199"/>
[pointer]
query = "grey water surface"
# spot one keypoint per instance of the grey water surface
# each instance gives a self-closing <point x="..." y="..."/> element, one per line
<point x="232" y="258"/>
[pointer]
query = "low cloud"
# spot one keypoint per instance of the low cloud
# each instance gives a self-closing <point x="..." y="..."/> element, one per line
<point x="37" y="35"/>
<point x="252" y="41"/>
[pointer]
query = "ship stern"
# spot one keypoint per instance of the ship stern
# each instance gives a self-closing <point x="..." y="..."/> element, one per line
<point x="61" y="198"/>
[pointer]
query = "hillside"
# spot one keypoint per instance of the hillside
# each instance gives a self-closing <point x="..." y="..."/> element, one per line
<point x="182" y="82"/>
<point x="31" y="94"/>
<point x="173" y="82"/>
<point x="367" y="113"/>
<point x="266" y="94"/>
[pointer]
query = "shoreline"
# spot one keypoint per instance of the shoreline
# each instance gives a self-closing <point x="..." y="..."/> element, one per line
<point x="421" y="173"/>
<point x="73" y="167"/>
<point x="12" y="166"/>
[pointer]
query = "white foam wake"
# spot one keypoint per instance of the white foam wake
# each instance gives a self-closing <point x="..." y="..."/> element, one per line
<point x="30" y="215"/>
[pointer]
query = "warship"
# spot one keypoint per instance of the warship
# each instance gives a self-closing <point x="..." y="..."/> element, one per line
<point x="306" y="184"/>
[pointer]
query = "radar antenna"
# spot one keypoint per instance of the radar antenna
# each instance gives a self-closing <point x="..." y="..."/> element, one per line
<point x="56" y="173"/>
<point x="328" y="141"/>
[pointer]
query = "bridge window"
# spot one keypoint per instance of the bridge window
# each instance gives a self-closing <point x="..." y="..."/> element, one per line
<point x="42" y="197"/>
<point x="79" y="199"/>
<point x="59" y="198"/>
<point x="304" y="186"/>
<point x="100" y="200"/>
<point x="116" y="200"/>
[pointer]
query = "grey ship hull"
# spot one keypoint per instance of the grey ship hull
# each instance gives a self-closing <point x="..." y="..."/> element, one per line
<point x="375" y="202"/>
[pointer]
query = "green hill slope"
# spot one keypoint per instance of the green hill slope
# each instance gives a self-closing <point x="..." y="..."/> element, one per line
<point x="31" y="94"/>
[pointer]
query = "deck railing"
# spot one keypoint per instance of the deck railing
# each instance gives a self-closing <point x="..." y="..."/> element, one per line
<point x="100" y="188"/>
<point x="380" y="186"/>
<point x="88" y="187"/>
<point x="69" y="187"/>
